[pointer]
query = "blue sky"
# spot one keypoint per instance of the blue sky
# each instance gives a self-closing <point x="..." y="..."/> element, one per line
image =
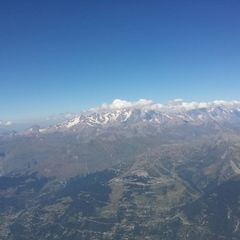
<point x="63" y="56"/>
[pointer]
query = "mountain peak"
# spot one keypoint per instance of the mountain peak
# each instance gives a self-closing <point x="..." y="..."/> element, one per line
<point x="147" y="111"/>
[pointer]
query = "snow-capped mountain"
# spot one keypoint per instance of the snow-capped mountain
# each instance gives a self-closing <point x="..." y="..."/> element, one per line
<point x="122" y="112"/>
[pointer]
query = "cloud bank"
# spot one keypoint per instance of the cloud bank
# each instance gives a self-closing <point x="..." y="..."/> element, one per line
<point x="175" y="105"/>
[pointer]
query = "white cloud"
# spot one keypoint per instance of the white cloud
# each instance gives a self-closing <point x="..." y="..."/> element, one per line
<point x="8" y="123"/>
<point x="119" y="104"/>
<point x="175" y="105"/>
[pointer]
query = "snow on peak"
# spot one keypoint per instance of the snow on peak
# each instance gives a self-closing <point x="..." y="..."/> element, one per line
<point x="73" y="122"/>
<point x="143" y="110"/>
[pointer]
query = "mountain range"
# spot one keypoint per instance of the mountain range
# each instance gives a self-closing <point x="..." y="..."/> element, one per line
<point x="125" y="170"/>
<point x="120" y="113"/>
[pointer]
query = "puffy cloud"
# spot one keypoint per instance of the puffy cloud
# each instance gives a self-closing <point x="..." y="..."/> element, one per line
<point x="175" y="105"/>
<point x="8" y="123"/>
<point x="119" y="104"/>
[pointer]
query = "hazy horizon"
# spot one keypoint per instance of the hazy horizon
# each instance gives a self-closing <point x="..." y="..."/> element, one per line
<point x="60" y="117"/>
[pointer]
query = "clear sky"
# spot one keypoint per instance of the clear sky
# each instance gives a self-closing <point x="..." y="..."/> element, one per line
<point x="67" y="55"/>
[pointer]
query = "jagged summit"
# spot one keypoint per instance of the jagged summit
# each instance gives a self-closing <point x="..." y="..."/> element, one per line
<point x="121" y="111"/>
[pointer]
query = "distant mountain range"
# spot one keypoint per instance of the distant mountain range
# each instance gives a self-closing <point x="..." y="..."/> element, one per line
<point x="144" y="112"/>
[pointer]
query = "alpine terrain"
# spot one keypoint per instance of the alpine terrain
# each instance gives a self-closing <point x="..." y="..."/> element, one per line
<point x="126" y="170"/>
